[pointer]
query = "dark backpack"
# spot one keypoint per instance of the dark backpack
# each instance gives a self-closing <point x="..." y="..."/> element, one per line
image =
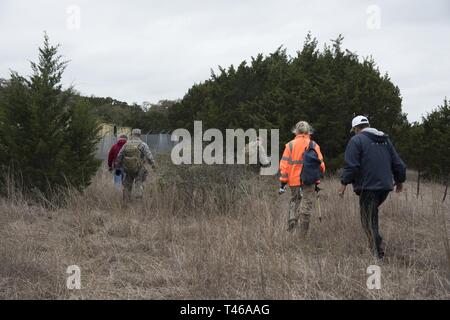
<point x="311" y="166"/>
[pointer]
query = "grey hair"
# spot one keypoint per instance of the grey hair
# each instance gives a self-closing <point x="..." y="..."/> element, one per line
<point x="302" y="127"/>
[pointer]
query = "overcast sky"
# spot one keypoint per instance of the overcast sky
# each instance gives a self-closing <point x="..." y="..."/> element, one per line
<point x="138" y="51"/>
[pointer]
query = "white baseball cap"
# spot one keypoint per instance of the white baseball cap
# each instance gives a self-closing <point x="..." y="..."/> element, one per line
<point x="359" y="120"/>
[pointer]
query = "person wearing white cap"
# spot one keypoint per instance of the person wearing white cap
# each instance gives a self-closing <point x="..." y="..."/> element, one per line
<point x="373" y="166"/>
<point x="359" y="122"/>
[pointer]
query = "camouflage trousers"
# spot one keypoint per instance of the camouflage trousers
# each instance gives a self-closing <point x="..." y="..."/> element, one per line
<point x="133" y="185"/>
<point x="301" y="206"/>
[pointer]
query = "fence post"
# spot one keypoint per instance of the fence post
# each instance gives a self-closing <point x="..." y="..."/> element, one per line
<point x="418" y="183"/>
<point x="446" y="188"/>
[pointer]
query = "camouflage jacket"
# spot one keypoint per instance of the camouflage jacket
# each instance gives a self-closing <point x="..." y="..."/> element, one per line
<point x="146" y="154"/>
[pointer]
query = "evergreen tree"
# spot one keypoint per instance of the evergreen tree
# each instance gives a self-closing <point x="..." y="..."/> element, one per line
<point x="413" y="149"/>
<point x="47" y="138"/>
<point x="325" y="87"/>
<point x="436" y="142"/>
<point x="413" y="146"/>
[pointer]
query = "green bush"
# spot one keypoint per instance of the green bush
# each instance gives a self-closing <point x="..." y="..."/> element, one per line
<point x="47" y="138"/>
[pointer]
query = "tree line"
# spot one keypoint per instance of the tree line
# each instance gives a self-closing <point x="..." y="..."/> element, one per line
<point x="325" y="87"/>
<point x="48" y="134"/>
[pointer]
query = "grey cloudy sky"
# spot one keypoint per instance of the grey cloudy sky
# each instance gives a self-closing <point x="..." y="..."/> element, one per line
<point x="139" y="51"/>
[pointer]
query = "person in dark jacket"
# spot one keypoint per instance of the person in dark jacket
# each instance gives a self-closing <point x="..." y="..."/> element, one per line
<point x="112" y="159"/>
<point x="374" y="167"/>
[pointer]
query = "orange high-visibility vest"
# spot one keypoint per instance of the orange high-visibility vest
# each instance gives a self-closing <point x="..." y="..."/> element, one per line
<point x="291" y="163"/>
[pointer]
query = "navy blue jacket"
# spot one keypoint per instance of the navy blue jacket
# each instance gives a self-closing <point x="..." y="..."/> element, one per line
<point x="372" y="163"/>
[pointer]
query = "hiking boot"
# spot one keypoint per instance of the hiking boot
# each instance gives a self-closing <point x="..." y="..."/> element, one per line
<point x="380" y="254"/>
<point x="305" y="228"/>
<point x="292" y="224"/>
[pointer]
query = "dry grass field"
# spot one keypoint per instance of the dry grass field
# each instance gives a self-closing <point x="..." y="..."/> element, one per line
<point x="208" y="233"/>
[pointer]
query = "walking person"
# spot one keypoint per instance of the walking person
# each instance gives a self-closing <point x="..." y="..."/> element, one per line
<point x="255" y="152"/>
<point x="301" y="167"/>
<point x="112" y="160"/>
<point x="373" y="166"/>
<point x="132" y="158"/>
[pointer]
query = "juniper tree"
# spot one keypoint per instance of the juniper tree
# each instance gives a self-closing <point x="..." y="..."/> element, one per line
<point x="324" y="87"/>
<point x="413" y="148"/>
<point x="436" y="126"/>
<point x="48" y="139"/>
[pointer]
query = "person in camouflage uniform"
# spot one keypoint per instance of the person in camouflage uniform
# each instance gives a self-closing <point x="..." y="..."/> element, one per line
<point x="132" y="158"/>
<point x="256" y="150"/>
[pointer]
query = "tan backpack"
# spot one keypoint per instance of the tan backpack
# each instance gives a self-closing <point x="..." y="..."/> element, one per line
<point x="132" y="162"/>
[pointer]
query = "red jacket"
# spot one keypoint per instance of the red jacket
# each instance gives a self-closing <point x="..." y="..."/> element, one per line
<point x="113" y="153"/>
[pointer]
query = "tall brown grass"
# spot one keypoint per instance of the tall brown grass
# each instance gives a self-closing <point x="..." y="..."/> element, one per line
<point x="219" y="233"/>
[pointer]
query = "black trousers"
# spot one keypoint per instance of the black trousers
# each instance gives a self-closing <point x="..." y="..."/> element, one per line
<point x="369" y="202"/>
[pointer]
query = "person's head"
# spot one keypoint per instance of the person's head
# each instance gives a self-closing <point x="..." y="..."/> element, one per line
<point x="259" y="140"/>
<point x="123" y="136"/>
<point x="359" y="123"/>
<point x="136" y="133"/>
<point x="302" y="127"/>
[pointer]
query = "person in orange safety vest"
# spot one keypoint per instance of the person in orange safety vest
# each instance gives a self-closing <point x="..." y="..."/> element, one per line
<point x="291" y="165"/>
